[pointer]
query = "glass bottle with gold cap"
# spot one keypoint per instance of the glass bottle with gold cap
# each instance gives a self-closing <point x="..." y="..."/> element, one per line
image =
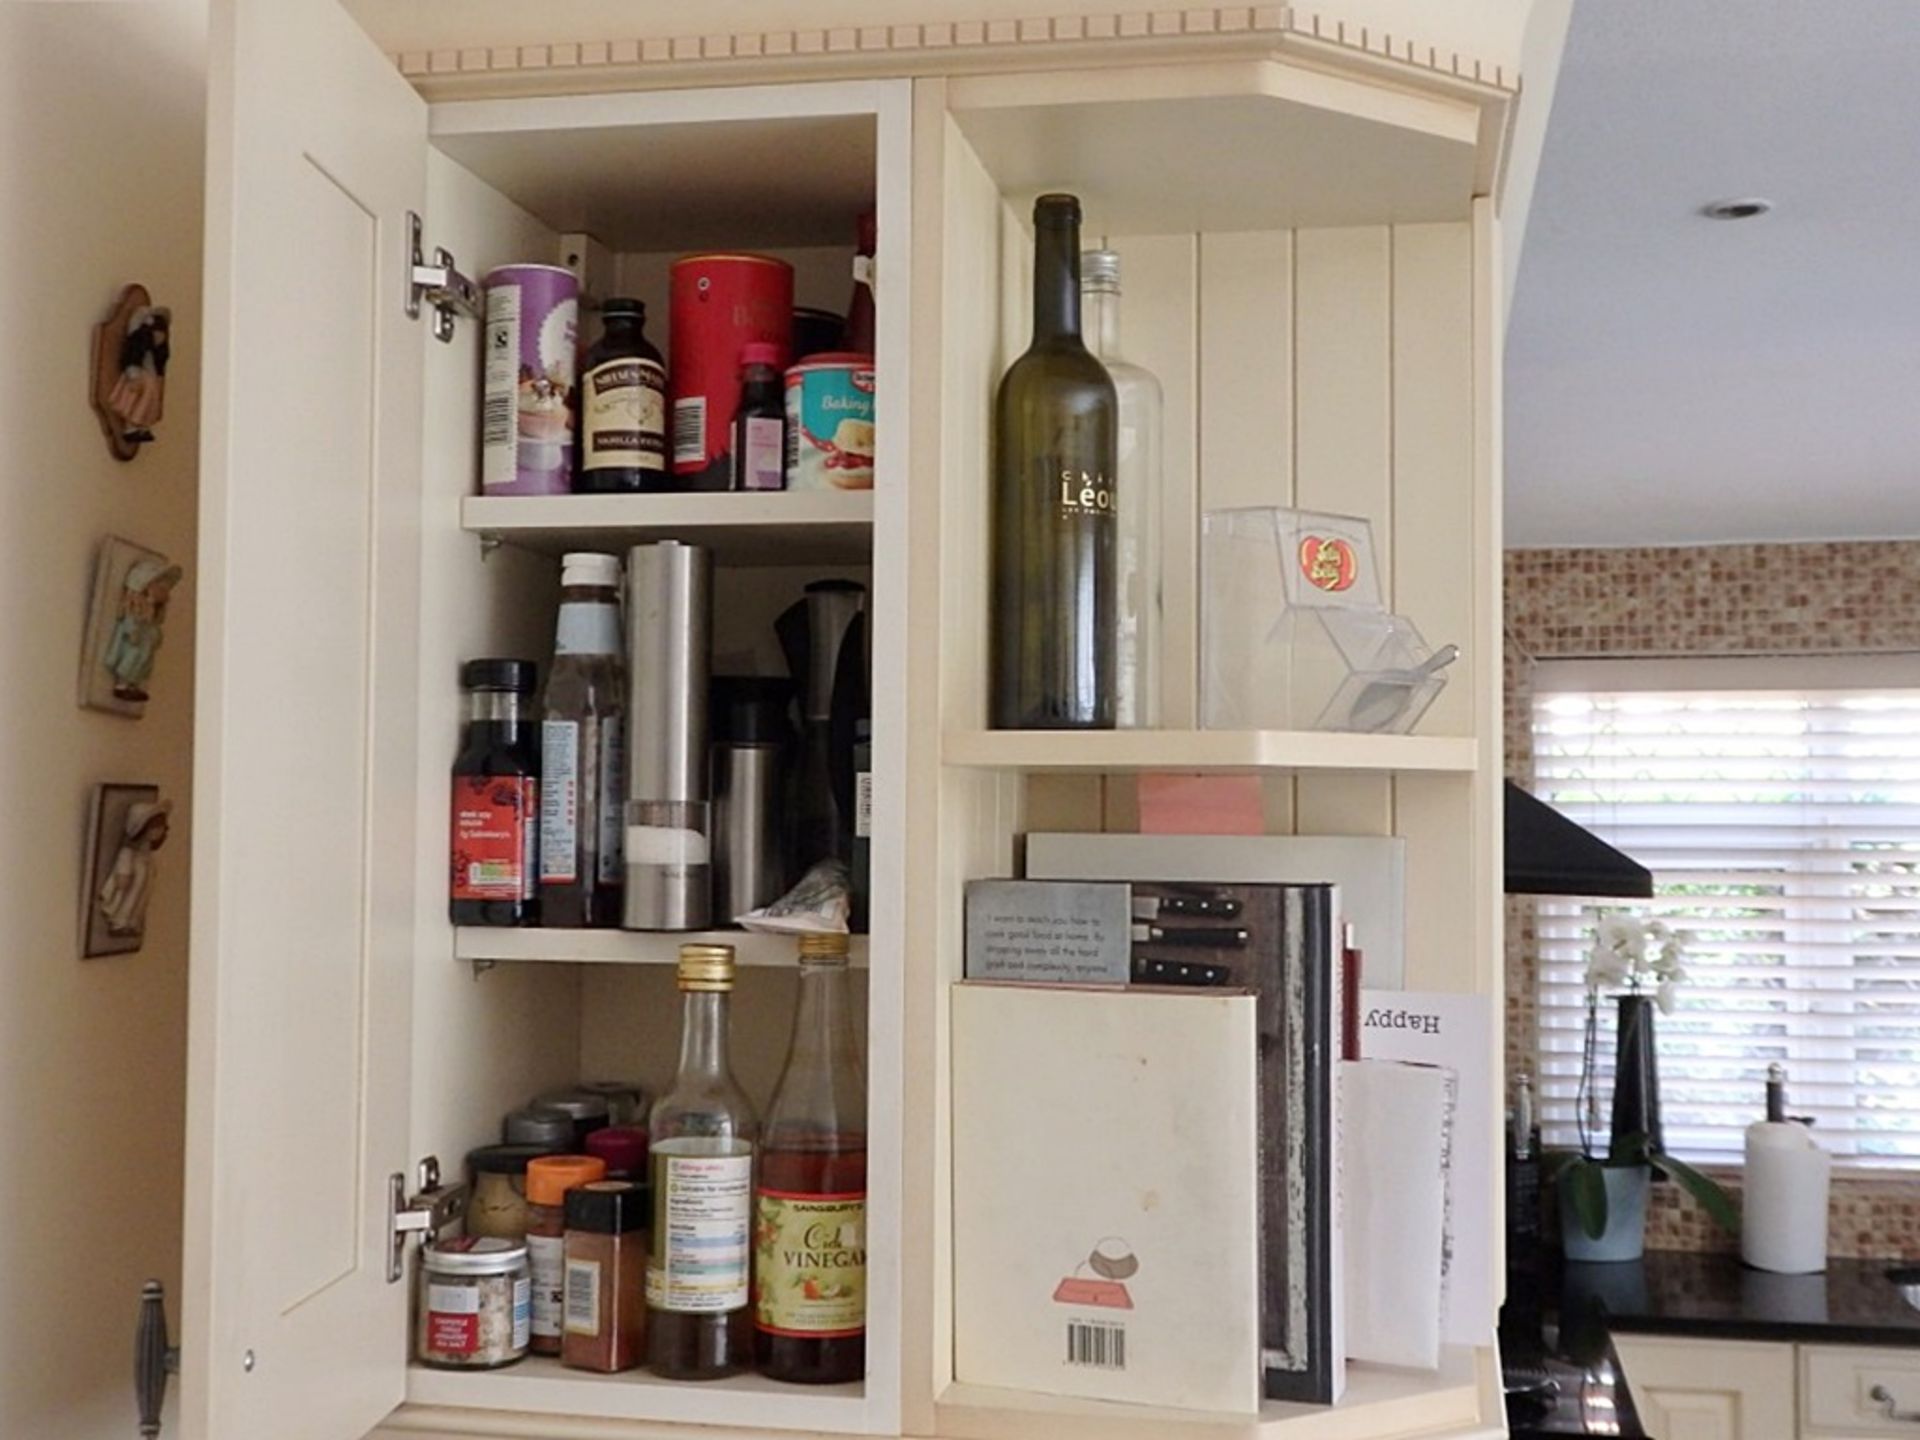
<point x="810" y="1222"/>
<point x="699" y="1326"/>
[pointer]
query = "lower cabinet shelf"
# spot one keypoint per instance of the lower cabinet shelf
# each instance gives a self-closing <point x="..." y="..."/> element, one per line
<point x="547" y="1388"/>
<point x="1379" y="1402"/>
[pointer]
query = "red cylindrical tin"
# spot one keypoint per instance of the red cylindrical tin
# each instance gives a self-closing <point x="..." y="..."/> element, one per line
<point x="718" y="304"/>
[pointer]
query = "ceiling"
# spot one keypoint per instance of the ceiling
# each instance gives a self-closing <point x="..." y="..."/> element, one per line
<point x="1676" y="380"/>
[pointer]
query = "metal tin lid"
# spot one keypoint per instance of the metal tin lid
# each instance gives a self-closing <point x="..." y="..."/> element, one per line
<point x="538" y="1125"/>
<point x="827" y="945"/>
<point x="1100" y="270"/>
<point x="629" y="1092"/>
<point x="589" y="567"/>
<point x="577" y="1103"/>
<point x="706" y="967"/>
<point x="474" y="1255"/>
<point x="737" y="256"/>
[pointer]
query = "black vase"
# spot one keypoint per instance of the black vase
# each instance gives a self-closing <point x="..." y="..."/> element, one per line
<point x="1636" y="1073"/>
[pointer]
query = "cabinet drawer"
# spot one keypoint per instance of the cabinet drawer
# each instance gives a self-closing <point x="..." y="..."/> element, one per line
<point x="1837" y="1390"/>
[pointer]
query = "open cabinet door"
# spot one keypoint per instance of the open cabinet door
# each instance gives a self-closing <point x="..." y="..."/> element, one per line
<point x="305" y="768"/>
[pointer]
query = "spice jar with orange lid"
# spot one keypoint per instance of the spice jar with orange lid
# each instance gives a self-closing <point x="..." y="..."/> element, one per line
<point x="548" y="1181"/>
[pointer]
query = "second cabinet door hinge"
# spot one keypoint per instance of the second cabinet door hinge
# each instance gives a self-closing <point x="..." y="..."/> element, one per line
<point x="425" y="1213"/>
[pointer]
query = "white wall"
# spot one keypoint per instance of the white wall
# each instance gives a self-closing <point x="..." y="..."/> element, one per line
<point x="100" y="170"/>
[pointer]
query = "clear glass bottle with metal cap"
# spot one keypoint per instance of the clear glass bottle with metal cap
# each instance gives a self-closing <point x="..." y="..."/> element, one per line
<point x="1137" y="487"/>
<point x="810" y="1211"/>
<point x="702" y="1134"/>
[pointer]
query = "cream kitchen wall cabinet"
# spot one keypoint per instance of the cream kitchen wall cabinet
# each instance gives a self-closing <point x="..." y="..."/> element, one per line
<point x="1309" y="227"/>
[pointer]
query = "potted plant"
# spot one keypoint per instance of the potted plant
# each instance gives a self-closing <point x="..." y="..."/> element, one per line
<point x="1603" y="1197"/>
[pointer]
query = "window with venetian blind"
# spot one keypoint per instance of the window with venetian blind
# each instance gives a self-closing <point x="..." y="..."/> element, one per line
<point x="1777" y="802"/>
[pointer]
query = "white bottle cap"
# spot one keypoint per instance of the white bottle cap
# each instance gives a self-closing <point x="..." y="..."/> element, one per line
<point x="586" y="567"/>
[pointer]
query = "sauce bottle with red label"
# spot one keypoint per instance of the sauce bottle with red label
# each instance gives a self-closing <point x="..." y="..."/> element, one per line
<point x="496" y="799"/>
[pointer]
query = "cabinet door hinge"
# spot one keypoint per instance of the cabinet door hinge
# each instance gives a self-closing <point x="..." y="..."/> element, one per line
<point x="440" y="284"/>
<point x="425" y="1213"/>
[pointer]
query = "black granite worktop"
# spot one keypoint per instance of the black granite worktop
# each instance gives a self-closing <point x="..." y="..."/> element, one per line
<point x="1561" y="1318"/>
<point x="1715" y="1296"/>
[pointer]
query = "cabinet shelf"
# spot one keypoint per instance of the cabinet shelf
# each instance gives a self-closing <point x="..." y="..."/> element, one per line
<point x="627" y="947"/>
<point x="787" y="527"/>
<point x="539" y="1386"/>
<point x="1378" y="1401"/>
<point x="1223" y="751"/>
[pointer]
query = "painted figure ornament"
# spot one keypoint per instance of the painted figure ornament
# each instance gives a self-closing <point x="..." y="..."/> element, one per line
<point x="122" y="898"/>
<point x="137" y="631"/>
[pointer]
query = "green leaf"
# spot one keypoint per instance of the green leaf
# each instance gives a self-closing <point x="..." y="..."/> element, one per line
<point x="1710" y="1196"/>
<point x="1589" y="1190"/>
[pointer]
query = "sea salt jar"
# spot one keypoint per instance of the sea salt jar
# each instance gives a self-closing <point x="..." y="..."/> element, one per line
<point x="476" y="1303"/>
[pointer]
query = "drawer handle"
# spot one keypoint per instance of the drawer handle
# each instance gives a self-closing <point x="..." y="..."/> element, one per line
<point x="1889" y="1407"/>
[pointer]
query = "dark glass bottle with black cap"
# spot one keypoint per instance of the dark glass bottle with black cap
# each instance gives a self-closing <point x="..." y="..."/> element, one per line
<point x="493" y="877"/>
<point x="623" y="406"/>
<point x="1055" y="527"/>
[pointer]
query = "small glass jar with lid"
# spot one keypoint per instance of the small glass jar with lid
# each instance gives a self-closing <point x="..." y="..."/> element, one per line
<point x="476" y="1303"/>
<point x="589" y="1111"/>
<point x="538" y="1125"/>
<point x="497" y="1203"/>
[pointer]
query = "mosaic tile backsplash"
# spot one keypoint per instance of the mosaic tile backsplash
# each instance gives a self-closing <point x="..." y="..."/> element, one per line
<point x="1832" y="598"/>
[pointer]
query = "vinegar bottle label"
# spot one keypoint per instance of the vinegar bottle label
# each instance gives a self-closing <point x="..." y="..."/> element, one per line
<point x="810" y="1259"/>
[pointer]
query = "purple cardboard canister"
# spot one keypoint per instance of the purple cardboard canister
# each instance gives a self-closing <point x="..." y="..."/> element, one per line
<point x="526" y="401"/>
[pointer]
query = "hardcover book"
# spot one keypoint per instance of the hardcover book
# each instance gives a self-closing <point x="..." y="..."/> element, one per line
<point x="1280" y="942"/>
<point x="1106" y="1178"/>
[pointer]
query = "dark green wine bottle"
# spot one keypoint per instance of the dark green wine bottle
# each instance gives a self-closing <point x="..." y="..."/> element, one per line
<point x="1056" y="424"/>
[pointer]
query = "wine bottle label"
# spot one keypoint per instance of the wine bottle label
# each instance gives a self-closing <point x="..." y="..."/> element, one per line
<point x="1082" y="492"/>
<point x="623" y="415"/>
<point x="810" y="1257"/>
<point x="493" y="833"/>
<point x="559" y="802"/>
<point x="702" y="1208"/>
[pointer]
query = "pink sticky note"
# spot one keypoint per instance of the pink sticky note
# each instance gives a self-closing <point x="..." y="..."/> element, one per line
<point x="1200" y="805"/>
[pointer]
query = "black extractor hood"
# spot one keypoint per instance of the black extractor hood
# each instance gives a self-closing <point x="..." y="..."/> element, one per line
<point x="1547" y="854"/>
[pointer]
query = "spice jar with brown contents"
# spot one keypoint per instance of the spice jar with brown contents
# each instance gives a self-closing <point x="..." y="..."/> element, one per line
<point x="548" y="1181"/>
<point x="605" y="1309"/>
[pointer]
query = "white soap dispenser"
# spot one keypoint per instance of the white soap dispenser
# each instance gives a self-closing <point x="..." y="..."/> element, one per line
<point x="1783" y="1225"/>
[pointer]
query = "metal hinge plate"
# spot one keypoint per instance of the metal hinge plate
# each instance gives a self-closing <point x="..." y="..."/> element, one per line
<point x="440" y="284"/>
<point x="425" y="1213"/>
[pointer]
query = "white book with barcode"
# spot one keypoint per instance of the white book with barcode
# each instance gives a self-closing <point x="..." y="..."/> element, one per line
<point x="1106" y="1193"/>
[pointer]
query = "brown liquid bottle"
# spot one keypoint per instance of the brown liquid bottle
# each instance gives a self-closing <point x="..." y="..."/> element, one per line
<point x="701" y="1152"/>
<point x="810" y="1222"/>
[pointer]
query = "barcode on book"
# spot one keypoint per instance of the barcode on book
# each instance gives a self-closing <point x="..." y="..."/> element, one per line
<point x="690" y="430"/>
<point x="1104" y="1347"/>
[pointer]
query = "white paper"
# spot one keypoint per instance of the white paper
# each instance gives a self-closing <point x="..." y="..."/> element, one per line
<point x="1455" y="1032"/>
<point x="1394" y="1133"/>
